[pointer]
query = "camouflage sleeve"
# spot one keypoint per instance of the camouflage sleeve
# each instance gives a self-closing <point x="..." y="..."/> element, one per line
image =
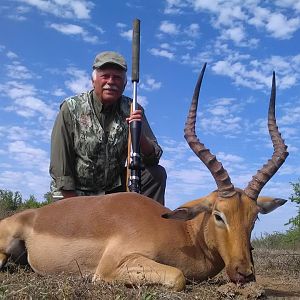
<point x="153" y="158"/>
<point x="62" y="158"/>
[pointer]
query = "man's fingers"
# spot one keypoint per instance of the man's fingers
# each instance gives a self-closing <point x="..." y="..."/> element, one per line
<point x="135" y="116"/>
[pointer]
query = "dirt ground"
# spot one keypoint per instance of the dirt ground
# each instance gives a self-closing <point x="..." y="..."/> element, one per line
<point x="277" y="277"/>
<point x="278" y="272"/>
<point x="280" y="286"/>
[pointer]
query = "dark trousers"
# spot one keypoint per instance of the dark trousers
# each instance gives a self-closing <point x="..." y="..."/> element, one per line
<point x="153" y="183"/>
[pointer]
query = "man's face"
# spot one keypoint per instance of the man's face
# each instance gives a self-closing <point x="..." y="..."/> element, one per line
<point x="109" y="83"/>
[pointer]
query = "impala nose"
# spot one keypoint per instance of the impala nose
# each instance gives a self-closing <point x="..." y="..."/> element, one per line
<point x="244" y="278"/>
<point x="241" y="272"/>
<point x="244" y="275"/>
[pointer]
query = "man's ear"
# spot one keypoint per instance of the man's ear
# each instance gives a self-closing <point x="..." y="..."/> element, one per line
<point x="268" y="204"/>
<point x="93" y="77"/>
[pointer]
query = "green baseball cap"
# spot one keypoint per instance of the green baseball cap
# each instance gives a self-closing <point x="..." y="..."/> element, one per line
<point x="110" y="57"/>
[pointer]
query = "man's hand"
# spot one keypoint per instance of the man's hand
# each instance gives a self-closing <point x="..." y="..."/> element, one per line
<point x="146" y="147"/>
<point x="135" y="116"/>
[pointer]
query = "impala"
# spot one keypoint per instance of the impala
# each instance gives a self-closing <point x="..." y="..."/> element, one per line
<point x="130" y="238"/>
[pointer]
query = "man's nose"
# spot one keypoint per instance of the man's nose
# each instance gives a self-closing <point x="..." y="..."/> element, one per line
<point x="110" y="79"/>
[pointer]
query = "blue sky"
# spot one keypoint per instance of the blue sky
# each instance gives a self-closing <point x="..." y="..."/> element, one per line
<point x="46" y="53"/>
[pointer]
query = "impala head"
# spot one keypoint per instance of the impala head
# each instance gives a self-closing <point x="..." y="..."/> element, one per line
<point x="231" y="212"/>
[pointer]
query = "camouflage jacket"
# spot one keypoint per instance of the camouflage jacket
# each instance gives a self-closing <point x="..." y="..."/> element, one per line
<point x="85" y="157"/>
<point x="100" y="157"/>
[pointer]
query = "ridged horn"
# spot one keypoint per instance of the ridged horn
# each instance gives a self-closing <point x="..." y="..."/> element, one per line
<point x="279" y="155"/>
<point x="222" y="179"/>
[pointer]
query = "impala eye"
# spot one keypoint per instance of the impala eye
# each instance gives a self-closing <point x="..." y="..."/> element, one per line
<point x="219" y="218"/>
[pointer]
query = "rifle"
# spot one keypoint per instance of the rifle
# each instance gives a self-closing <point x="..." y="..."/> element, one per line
<point x="134" y="182"/>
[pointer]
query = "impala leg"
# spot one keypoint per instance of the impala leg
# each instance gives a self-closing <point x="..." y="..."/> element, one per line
<point x="137" y="270"/>
<point x="3" y="259"/>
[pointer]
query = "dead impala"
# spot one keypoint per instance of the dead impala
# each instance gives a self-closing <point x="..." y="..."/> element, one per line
<point x="130" y="238"/>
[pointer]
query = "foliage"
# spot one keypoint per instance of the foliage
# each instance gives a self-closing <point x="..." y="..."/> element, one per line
<point x="289" y="240"/>
<point x="13" y="201"/>
<point x="295" y="221"/>
<point x="31" y="203"/>
<point x="10" y="201"/>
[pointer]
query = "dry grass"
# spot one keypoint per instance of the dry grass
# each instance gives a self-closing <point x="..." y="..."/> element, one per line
<point x="23" y="284"/>
<point x="277" y="271"/>
<point x="278" y="277"/>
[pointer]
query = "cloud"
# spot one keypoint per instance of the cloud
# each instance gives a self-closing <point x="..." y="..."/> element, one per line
<point x="222" y="116"/>
<point x="257" y="74"/>
<point x="167" y="46"/>
<point x="236" y="34"/>
<point x="169" y="28"/>
<point x="78" y="9"/>
<point x="18" y="13"/>
<point x="192" y="30"/>
<point x="275" y="23"/>
<point x="196" y="60"/>
<point x="150" y="84"/>
<point x="127" y="34"/>
<point x="14" y="133"/>
<point x="34" y="183"/>
<point x="175" y="7"/>
<point x="142" y="100"/>
<point x="80" y="80"/>
<point x="11" y="55"/>
<point x="291" y="115"/>
<point x="281" y="27"/>
<point x="73" y="30"/>
<point x="25" y="101"/>
<point x="27" y="155"/>
<point x="124" y="32"/>
<point x="295" y="4"/>
<point x="230" y="17"/>
<point x="18" y="71"/>
<point x="58" y="93"/>
<point x="162" y="53"/>
<point x="229" y="158"/>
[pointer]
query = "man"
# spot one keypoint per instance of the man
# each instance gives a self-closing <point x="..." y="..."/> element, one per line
<point x="89" y="138"/>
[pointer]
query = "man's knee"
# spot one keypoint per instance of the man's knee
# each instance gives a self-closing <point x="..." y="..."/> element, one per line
<point x="157" y="173"/>
<point x="154" y="183"/>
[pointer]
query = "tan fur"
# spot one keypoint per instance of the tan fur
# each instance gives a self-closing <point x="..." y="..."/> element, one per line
<point x="123" y="237"/>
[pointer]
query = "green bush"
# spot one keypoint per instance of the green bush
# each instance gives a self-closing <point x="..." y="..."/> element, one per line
<point x="295" y="221"/>
<point x="277" y="240"/>
<point x="11" y="202"/>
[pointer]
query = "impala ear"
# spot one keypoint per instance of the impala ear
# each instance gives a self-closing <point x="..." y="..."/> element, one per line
<point x="186" y="213"/>
<point x="268" y="204"/>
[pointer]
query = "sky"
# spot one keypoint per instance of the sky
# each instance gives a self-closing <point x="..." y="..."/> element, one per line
<point x="47" y="49"/>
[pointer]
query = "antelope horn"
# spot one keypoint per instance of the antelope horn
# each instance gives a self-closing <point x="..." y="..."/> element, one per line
<point x="280" y="154"/>
<point x="222" y="179"/>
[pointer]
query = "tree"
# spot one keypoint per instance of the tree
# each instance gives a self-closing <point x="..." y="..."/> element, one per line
<point x="295" y="221"/>
<point x="47" y="198"/>
<point x="31" y="203"/>
<point x="10" y="201"/>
